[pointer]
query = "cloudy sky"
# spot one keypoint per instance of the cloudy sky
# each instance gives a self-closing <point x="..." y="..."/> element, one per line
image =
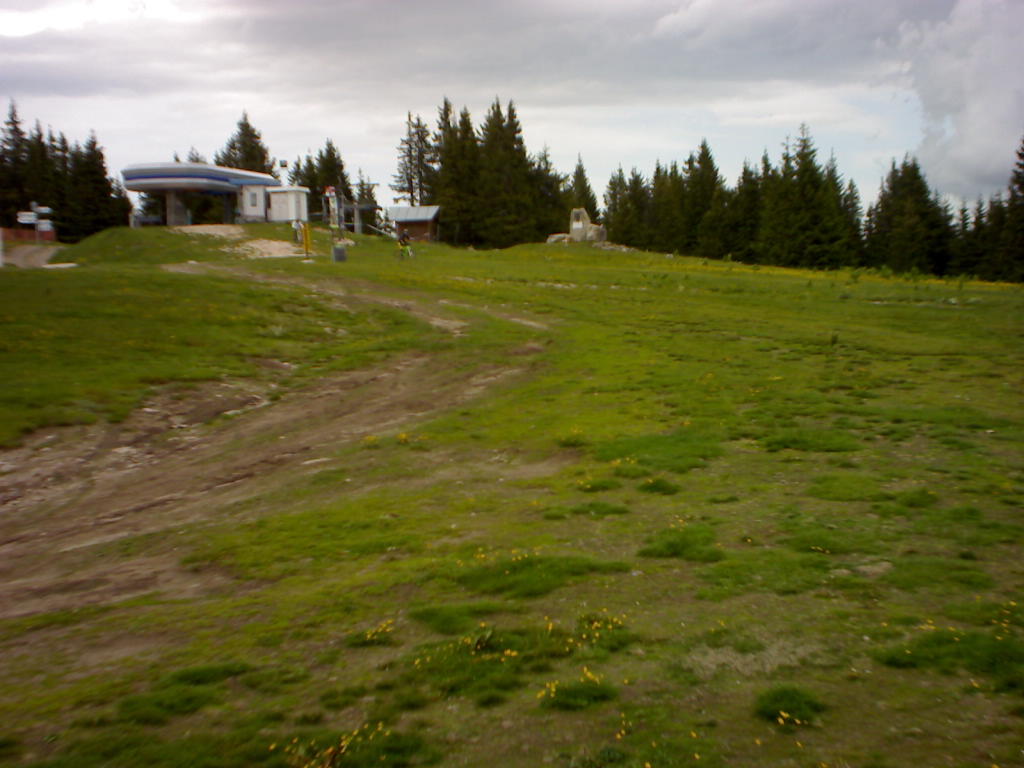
<point x="619" y="82"/>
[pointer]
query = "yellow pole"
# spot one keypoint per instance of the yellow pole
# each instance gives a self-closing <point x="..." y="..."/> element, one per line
<point x="306" y="237"/>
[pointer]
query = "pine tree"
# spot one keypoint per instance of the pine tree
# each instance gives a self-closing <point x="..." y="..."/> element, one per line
<point x="246" y="150"/>
<point x="665" y="216"/>
<point x="714" y="235"/>
<point x="416" y="173"/>
<point x="702" y="181"/>
<point x="13" y="160"/>
<point x="94" y="202"/>
<point x="551" y="198"/>
<point x="778" y="211"/>
<point x="1011" y="241"/>
<point x="908" y="229"/>
<point x="366" y="198"/>
<point x="330" y="172"/>
<point x="458" y="177"/>
<point x="615" y="206"/>
<point x="580" y="193"/>
<point x="507" y="192"/>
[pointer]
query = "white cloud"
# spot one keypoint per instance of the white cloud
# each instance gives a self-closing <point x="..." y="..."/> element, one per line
<point x="619" y="82"/>
<point x="78" y="14"/>
<point x="966" y="71"/>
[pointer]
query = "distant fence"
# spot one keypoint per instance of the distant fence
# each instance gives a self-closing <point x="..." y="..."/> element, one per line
<point x="14" y="236"/>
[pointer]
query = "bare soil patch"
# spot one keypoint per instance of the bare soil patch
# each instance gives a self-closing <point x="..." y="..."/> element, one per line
<point x="29" y="256"/>
<point x="228" y="231"/>
<point x="68" y="491"/>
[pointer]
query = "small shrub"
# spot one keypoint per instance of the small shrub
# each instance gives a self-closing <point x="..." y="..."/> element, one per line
<point x="788" y="705"/>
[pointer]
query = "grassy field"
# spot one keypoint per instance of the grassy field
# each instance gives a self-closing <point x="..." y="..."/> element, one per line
<point x="715" y="515"/>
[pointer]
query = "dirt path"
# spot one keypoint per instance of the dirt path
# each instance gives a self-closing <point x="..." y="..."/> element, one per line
<point x="29" y="256"/>
<point x="73" y="489"/>
<point x="69" y="490"/>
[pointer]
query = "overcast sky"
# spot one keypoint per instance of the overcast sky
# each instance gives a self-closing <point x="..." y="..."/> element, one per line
<point x="619" y="82"/>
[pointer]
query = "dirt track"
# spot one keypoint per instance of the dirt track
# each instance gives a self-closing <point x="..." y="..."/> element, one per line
<point x="29" y="256"/>
<point x="68" y="490"/>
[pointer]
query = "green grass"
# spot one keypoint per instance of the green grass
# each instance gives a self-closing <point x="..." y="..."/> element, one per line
<point x="454" y="619"/>
<point x="90" y="344"/>
<point x="690" y="542"/>
<point x="865" y="493"/>
<point x="531" y="575"/>
<point x="996" y="656"/>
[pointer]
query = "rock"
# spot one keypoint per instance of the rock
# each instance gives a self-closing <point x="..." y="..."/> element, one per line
<point x="561" y="237"/>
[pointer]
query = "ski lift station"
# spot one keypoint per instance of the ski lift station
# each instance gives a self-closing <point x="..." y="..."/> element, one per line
<point x="250" y="196"/>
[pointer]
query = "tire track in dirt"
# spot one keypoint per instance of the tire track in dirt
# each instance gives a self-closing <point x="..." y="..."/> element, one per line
<point x="68" y="490"/>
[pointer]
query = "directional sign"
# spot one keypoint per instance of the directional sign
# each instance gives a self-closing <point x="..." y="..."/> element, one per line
<point x="43" y="210"/>
<point x="27" y="217"/>
<point x="45" y="225"/>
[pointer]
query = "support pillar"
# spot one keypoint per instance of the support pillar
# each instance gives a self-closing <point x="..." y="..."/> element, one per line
<point x="175" y="210"/>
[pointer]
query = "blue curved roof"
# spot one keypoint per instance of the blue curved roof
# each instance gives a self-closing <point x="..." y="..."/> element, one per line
<point x="157" y="177"/>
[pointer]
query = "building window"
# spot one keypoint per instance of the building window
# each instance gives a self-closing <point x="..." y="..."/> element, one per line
<point x="252" y="199"/>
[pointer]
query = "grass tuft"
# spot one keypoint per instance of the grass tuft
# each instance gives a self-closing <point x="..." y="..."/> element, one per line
<point x="788" y="705"/>
<point x="690" y="542"/>
<point x="532" y="575"/>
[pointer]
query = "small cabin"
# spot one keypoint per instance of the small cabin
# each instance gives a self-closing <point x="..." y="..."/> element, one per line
<point x="419" y="221"/>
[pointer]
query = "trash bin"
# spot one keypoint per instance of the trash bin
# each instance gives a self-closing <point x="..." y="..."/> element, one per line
<point x="340" y="254"/>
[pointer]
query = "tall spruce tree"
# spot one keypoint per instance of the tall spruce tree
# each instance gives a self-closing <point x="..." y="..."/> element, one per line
<point x="415" y="178"/>
<point x="1010" y="259"/>
<point x="702" y="181"/>
<point x="665" y="216"/>
<point x="507" y="191"/>
<point x="615" y="205"/>
<point x="580" y="193"/>
<point x="907" y="228"/>
<point x="551" y="198"/>
<point x="13" y="161"/>
<point x="458" y="175"/>
<point x="366" y="199"/>
<point x="246" y="150"/>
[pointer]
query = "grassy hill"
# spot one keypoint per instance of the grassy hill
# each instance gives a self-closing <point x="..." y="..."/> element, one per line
<point x="566" y="506"/>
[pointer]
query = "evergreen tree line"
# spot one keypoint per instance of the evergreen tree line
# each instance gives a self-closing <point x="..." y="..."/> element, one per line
<point x="69" y="178"/>
<point x="799" y="213"/>
<point x="491" y="190"/>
